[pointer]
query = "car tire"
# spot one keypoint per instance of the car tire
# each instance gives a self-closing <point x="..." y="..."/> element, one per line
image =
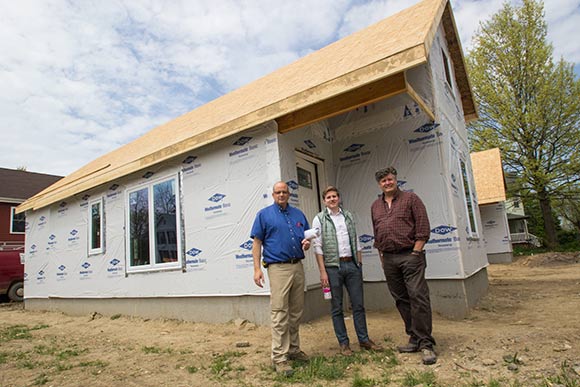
<point x="16" y="292"/>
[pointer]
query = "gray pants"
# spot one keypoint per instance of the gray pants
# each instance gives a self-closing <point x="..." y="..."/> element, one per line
<point x="405" y="274"/>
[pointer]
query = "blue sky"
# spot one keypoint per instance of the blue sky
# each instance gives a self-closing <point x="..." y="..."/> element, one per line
<point x="81" y="78"/>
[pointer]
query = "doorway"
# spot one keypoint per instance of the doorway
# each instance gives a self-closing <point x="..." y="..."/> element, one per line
<point x="311" y="181"/>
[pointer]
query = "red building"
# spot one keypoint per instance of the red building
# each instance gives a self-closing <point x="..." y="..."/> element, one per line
<point x="15" y="187"/>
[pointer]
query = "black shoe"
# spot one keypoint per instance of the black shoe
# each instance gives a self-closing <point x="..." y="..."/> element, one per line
<point x="408" y="348"/>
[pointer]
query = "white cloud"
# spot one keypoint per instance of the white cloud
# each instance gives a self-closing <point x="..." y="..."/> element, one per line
<point x="79" y="79"/>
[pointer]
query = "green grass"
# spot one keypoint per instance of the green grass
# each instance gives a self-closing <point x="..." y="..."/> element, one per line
<point x="18" y="332"/>
<point x="413" y="378"/>
<point x="566" y="377"/>
<point x="3" y="357"/>
<point x="40" y="380"/>
<point x="157" y="350"/>
<point x="68" y="353"/>
<point x="359" y="381"/>
<point x="221" y="364"/>
<point x="94" y="363"/>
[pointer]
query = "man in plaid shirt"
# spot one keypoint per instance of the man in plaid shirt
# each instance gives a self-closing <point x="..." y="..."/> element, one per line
<point x="401" y="228"/>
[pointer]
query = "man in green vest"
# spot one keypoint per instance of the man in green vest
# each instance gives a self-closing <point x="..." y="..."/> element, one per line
<point x="339" y="260"/>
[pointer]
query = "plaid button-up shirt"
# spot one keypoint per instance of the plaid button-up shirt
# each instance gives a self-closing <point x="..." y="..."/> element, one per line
<point x="398" y="227"/>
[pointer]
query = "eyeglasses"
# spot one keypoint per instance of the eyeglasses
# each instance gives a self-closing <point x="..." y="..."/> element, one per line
<point x="281" y="192"/>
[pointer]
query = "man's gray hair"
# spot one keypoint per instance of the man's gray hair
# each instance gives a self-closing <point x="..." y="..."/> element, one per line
<point x="384" y="172"/>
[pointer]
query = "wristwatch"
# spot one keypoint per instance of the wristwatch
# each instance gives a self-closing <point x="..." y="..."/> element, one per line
<point x="417" y="252"/>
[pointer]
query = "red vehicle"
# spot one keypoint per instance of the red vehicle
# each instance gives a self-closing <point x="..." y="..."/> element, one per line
<point x="11" y="275"/>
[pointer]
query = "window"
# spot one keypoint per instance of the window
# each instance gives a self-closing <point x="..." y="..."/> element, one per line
<point x="152" y="240"/>
<point x="447" y="68"/>
<point x="469" y="202"/>
<point x="17" y="222"/>
<point x="96" y="227"/>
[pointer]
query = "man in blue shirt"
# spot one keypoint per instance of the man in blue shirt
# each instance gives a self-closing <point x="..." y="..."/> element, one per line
<point x="278" y="235"/>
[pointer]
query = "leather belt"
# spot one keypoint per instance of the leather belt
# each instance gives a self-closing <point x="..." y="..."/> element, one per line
<point x="291" y="261"/>
<point x="404" y="250"/>
<point x="345" y="259"/>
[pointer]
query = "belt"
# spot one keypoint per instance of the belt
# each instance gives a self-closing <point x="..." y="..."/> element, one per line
<point x="345" y="259"/>
<point x="404" y="250"/>
<point x="291" y="261"/>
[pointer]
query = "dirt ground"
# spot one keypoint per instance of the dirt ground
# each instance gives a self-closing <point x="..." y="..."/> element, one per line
<point x="525" y="332"/>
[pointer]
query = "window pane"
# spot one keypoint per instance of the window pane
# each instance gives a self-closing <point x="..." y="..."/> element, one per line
<point x="18" y="221"/>
<point x="165" y="222"/>
<point x="96" y="226"/>
<point x="139" y="226"/>
<point x="468" y="198"/>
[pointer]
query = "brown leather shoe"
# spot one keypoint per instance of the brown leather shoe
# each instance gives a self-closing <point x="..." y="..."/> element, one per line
<point x="370" y="346"/>
<point x="345" y="350"/>
<point x="299" y="356"/>
<point x="284" y="368"/>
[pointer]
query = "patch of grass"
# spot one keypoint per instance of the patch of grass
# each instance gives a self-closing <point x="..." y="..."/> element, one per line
<point x="116" y="316"/>
<point x="3" y="357"/>
<point x="413" y="378"/>
<point x="40" y="380"/>
<point x="18" y="332"/>
<point x="68" y="353"/>
<point x="566" y="376"/>
<point x="359" y="381"/>
<point x="221" y="364"/>
<point x="157" y="350"/>
<point x="45" y="349"/>
<point x="94" y="363"/>
<point x="62" y="367"/>
<point x="192" y="369"/>
<point x="28" y="364"/>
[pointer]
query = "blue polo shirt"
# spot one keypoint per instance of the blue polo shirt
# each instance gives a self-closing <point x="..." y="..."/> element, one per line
<point x="281" y="232"/>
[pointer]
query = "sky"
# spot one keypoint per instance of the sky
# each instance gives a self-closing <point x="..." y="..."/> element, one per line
<point x="80" y="78"/>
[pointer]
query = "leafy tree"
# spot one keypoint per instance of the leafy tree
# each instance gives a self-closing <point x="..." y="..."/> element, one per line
<point x="529" y="106"/>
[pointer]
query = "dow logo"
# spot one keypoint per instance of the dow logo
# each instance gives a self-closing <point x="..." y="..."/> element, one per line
<point x="61" y="267"/>
<point x="74" y="232"/>
<point x="365" y="238"/>
<point x="247" y="245"/>
<point x="292" y="184"/>
<point x="52" y="237"/>
<point x="86" y="265"/>
<point x="443" y="230"/>
<point x="216" y="197"/>
<point x="310" y="144"/>
<point x="114" y="262"/>
<point x="193" y="252"/>
<point x="426" y="128"/>
<point x="242" y="141"/>
<point x="353" y="148"/>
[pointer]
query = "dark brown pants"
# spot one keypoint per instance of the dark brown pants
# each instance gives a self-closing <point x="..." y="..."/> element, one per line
<point x="405" y="274"/>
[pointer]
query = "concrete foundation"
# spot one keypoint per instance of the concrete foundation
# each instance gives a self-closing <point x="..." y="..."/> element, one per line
<point x="500" y="257"/>
<point x="450" y="298"/>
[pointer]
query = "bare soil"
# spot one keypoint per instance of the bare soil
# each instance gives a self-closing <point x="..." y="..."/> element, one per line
<point x="525" y="332"/>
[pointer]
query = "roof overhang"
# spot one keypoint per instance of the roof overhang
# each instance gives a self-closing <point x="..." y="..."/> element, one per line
<point x="360" y="69"/>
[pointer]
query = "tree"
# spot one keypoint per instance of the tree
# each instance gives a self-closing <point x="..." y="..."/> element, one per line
<point x="529" y="106"/>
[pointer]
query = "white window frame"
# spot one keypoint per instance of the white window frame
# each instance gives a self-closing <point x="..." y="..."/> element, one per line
<point x="468" y="194"/>
<point x="447" y="73"/>
<point x="153" y="266"/>
<point x="12" y="213"/>
<point x="101" y="249"/>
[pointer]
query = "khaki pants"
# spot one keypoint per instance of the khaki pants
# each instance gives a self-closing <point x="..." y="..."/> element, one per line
<point x="286" y="305"/>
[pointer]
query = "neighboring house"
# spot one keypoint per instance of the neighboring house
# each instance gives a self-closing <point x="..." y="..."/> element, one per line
<point x="15" y="187"/>
<point x="518" y="220"/>
<point x="395" y="93"/>
<point x="491" y="192"/>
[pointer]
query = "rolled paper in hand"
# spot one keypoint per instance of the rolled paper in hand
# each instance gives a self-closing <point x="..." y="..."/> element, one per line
<point x="311" y="233"/>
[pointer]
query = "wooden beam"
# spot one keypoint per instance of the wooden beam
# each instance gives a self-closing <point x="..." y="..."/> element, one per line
<point x="364" y="95"/>
<point x="417" y="98"/>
